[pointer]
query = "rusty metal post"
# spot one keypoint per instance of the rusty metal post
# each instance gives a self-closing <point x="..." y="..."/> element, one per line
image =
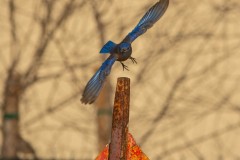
<point x="118" y="145"/>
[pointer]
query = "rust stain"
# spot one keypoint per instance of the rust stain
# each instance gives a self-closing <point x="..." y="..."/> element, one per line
<point x="133" y="151"/>
<point x="118" y="145"/>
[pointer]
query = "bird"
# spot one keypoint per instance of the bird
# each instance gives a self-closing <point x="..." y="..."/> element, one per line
<point x="121" y="51"/>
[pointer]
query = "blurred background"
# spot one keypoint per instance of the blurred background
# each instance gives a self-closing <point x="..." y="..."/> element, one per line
<point x="185" y="98"/>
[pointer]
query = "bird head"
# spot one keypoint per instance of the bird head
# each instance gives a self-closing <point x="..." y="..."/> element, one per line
<point x="124" y="47"/>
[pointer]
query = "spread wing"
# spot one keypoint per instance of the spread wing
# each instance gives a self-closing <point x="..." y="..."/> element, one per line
<point x="95" y="84"/>
<point x="148" y="20"/>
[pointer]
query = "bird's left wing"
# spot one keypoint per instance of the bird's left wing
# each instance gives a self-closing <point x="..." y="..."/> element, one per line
<point x="148" y="20"/>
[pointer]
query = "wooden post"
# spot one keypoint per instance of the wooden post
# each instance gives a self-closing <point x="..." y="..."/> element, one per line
<point x="118" y="145"/>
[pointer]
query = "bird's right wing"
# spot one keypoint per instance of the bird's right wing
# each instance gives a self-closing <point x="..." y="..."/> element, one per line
<point x="95" y="84"/>
<point x="148" y="20"/>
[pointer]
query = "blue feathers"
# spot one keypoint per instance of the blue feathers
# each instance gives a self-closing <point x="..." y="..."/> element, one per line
<point x="95" y="84"/>
<point x="154" y="14"/>
<point x="108" y="47"/>
<point x="121" y="52"/>
<point x="148" y="20"/>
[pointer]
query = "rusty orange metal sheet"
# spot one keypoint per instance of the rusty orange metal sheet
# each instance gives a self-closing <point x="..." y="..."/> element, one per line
<point x="134" y="151"/>
<point x="104" y="154"/>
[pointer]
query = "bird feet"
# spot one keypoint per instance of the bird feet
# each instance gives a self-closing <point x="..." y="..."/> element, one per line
<point x="133" y="60"/>
<point x="124" y="66"/>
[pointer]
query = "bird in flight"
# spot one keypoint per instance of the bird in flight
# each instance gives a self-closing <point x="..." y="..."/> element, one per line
<point x="122" y="51"/>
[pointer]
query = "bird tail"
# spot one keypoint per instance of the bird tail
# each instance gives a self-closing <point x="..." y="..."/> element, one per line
<point x="95" y="84"/>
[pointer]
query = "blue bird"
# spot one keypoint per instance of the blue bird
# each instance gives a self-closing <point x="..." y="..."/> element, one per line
<point x="122" y="51"/>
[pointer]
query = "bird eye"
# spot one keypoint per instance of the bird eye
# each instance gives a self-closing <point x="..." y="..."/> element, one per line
<point x="124" y="49"/>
